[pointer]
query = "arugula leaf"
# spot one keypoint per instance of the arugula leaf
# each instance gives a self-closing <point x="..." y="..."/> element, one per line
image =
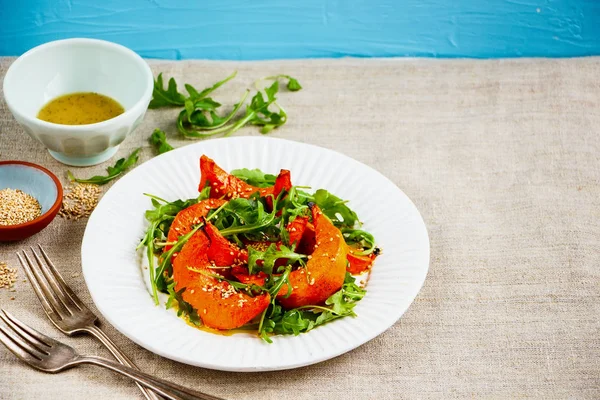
<point x="254" y="177"/>
<point x="269" y="256"/>
<point x="362" y="238"/>
<point x="158" y="139"/>
<point x="120" y="166"/>
<point x="165" y="98"/>
<point x="183" y="307"/>
<point x="293" y="85"/>
<point x="249" y="215"/>
<point x="335" y="208"/>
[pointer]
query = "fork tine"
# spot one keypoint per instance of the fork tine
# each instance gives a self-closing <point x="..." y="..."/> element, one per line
<point x="13" y="322"/>
<point x="55" y="285"/>
<point x="36" y="286"/>
<point x="59" y="279"/>
<point x="6" y="338"/>
<point x="25" y="345"/>
<point x="46" y="291"/>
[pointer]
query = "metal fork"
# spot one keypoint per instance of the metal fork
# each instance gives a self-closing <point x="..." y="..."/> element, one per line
<point x="49" y="355"/>
<point x="64" y="308"/>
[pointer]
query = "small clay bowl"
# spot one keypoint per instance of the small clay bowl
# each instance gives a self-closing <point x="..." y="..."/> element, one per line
<point x="38" y="182"/>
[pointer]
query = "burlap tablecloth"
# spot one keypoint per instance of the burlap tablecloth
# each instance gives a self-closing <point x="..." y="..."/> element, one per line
<point x="502" y="158"/>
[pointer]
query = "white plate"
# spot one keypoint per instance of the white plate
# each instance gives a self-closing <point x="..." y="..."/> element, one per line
<point x="113" y="269"/>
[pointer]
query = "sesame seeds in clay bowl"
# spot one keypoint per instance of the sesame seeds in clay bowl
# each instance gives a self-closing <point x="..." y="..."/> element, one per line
<point x="37" y="182"/>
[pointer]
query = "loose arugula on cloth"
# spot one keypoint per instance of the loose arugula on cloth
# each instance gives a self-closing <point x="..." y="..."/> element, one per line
<point x="241" y="220"/>
<point x="120" y="166"/>
<point x="201" y="118"/>
<point x="158" y="140"/>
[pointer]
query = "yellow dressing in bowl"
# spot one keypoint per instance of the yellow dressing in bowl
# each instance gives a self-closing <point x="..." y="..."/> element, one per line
<point x="80" y="108"/>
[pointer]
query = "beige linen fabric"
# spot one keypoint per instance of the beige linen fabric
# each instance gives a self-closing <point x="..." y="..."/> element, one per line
<point x="501" y="157"/>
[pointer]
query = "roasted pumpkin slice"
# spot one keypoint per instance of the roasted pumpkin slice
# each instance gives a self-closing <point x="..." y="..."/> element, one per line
<point x="187" y="218"/>
<point x="219" y="305"/>
<point x="325" y="270"/>
<point x="224" y="185"/>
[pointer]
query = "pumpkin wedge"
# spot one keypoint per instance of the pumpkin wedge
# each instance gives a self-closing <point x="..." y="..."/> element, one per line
<point x="224" y="185"/>
<point x="324" y="272"/>
<point x="218" y="304"/>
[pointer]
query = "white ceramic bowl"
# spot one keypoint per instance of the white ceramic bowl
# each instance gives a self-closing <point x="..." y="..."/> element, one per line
<point x="79" y="65"/>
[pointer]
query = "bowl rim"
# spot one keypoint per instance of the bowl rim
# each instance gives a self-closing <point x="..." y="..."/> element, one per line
<point x="146" y="95"/>
<point x="51" y="210"/>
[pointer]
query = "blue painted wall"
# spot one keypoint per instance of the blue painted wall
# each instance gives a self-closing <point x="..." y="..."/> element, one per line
<point x="266" y="29"/>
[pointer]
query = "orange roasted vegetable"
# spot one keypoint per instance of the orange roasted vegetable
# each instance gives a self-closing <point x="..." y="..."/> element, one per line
<point x="224" y="185"/>
<point x="187" y="218"/>
<point x="218" y="304"/>
<point x="325" y="271"/>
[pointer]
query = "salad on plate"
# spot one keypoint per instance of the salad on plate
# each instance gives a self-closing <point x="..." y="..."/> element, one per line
<point x="253" y="252"/>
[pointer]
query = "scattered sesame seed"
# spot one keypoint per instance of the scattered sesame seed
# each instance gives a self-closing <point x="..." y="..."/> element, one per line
<point x="192" y="291"/>
<point x="79" y="200"/>
<point x="18" y="207"/>
<point x="8" y="276"/>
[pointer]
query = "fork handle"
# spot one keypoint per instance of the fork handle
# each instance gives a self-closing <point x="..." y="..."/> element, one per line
<point x="169" y="390"/>
<point x="120" y="356"/>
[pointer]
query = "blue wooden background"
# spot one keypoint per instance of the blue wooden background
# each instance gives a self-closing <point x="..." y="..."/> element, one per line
<point x="266" y="29"/>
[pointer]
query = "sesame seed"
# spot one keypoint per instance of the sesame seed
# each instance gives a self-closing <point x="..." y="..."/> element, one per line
<point x="18" y="207"/>
<point x="8" y="276"/>
<point x="192" y="291"/>
<point x="79" y="200"/>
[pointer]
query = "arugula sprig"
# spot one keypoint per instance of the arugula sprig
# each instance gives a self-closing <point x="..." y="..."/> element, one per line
<point x="158" y="139"/>
<point x="269" y="256"/>
<point x="200" y="117"/>
<point x="120" y="166"/>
